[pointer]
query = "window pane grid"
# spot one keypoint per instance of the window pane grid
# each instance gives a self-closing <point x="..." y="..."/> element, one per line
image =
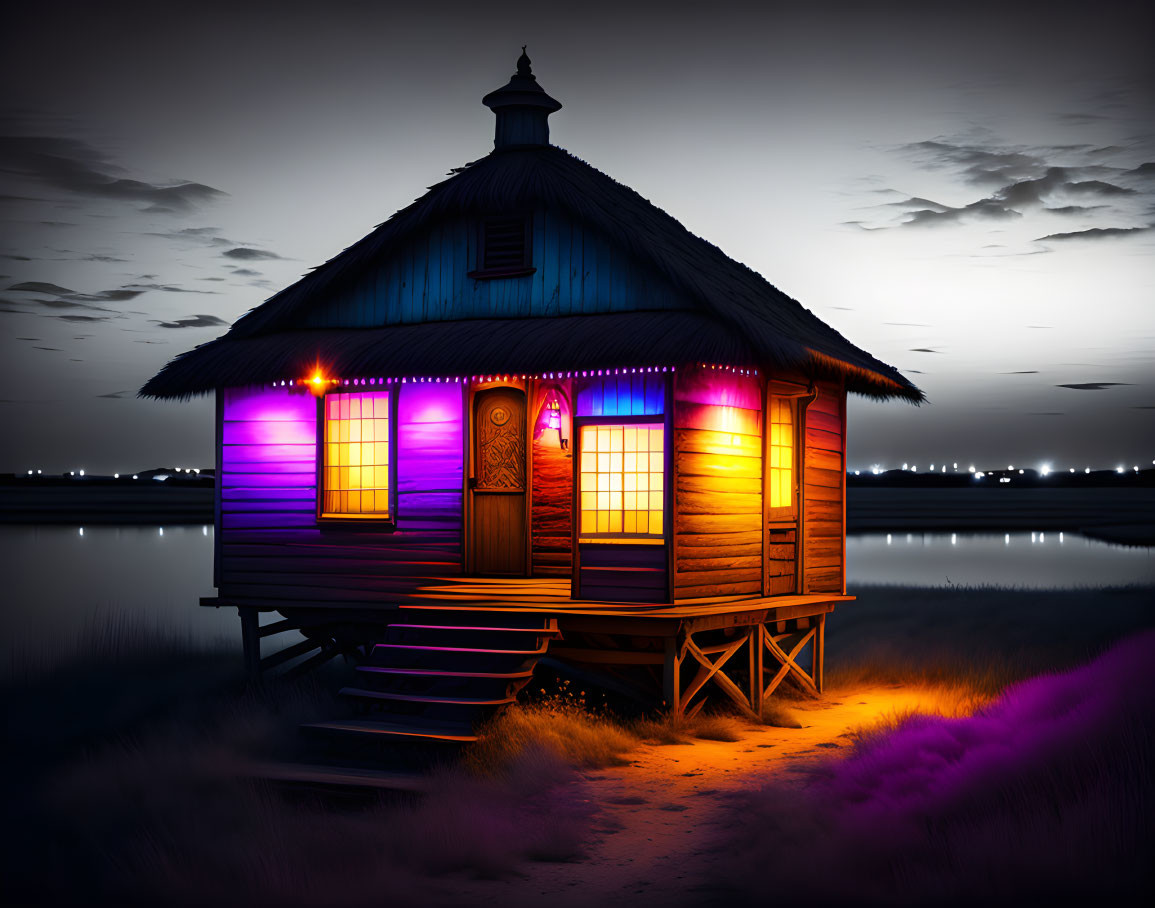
<point x="781" y="427"/>
<point x="622" y="480"/>
<point x="356" y="470"/>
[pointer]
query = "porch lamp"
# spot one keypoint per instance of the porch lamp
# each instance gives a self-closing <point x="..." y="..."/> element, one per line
<point x="553" y="421"/>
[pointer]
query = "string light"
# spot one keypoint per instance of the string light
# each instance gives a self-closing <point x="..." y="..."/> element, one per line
<point x="319" y="384"/>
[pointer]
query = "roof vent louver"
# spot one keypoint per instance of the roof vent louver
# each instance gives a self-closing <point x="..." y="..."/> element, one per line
<point x="505" y="248"/>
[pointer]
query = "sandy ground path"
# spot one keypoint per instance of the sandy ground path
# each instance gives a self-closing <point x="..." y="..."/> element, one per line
<point x="656" y="814"/>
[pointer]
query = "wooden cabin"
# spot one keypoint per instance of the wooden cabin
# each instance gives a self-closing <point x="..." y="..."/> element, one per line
<point x="531" y="417"/>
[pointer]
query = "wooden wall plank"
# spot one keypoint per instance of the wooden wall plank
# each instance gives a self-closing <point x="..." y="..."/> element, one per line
<point x="825" y="480"/>
<point x="577" y="271"/>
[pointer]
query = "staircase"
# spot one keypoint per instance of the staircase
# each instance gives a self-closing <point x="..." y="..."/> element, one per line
<point x="438" y="674"/>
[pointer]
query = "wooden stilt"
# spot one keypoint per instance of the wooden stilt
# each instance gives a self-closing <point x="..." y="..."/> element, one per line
<point x="671" y="676"/>
<point x="251" y="641"/>
<point x="754" y="646"/>
<point x="819" y="653"/>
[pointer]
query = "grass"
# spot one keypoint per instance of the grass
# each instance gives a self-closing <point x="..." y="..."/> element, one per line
<point x="1042" y="796"/>
<point x="978" y="639"/>
<point x="128" y="784"/>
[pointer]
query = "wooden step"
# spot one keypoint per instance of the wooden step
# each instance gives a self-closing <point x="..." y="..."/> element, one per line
<point x="422" y="698"/>
<point x="462" y="649"/>
<point x="401" y="728"/>
<point x="440" y="673"/>
<point x="338" y="777"/>
<point x="537" y="631"/>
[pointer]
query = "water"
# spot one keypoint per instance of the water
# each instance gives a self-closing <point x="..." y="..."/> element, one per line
<point x="1041" y="560"/>
<point x="61" y="583"/>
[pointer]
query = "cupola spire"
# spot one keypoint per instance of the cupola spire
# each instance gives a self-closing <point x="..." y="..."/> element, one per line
<point x="522" y="108"/>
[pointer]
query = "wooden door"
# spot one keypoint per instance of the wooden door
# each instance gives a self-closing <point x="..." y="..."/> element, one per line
<point x="498" y="482"/>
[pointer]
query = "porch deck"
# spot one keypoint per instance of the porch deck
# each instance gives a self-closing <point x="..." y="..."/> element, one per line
<point x="626" y="645"/>
<point x="548" y="594"/>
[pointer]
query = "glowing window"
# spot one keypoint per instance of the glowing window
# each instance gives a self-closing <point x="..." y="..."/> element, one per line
<point x="622" y="480"/>
<point x="781" y="477"/>
<point x="356" y="455"/>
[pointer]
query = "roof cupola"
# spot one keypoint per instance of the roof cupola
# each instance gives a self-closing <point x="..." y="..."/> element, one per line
<point x="522" y="108"/>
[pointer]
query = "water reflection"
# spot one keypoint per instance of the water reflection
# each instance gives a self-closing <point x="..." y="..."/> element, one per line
<point x="1039" y="559"/>
<point x="63" y="583"/>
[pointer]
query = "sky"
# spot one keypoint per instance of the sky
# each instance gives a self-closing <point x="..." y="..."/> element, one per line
<point x="967" y="191"/>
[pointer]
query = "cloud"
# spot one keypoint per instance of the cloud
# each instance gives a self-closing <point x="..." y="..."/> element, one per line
<point x="76" y="167"/>
<point x="1021" y="180"/>
<point x="1097" y="187"/>
<point x="194" y="321"/>
<point x="86" y="318"/>
<point x="1022" y="372"/>
<point x="209" y="236"/>
<point x="41" y="287"/>
<point x="247" y="253"/>
<point x="52" y="349"/>
<point x="1096" y="233"/>
<point x="249" y="272"/>
<point x="979" y="166"/>
<point x="923" y="350"/>
<point x="1094" y="385"/>
<point x="988" y="209"/>
<point x="1074" y="209"/>
<point x="64" y="298"/>
<point x="1047" y="413"/>
<point x="168" y="288"/>
<point x="916" y="202"/>
<point x="116" y="395"/>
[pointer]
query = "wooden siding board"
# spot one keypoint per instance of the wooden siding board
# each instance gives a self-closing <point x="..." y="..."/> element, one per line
<point x="718" y="483"/>
<point x="577" y="271"/>
<point x="825" y="479"/>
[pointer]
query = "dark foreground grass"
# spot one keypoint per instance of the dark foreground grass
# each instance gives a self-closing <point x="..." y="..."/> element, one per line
<point x="1043" y="797"/>
<point x="167" y="814"/>
<point x="125" y="779"/>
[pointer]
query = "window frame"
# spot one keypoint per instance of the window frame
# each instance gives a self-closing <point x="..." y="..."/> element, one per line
<point x="387" y="522"/>
<point x="782" y="514"/>
<point x="650" y="421"/>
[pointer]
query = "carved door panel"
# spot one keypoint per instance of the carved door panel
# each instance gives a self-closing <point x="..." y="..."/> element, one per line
<point x="499" y="482"/>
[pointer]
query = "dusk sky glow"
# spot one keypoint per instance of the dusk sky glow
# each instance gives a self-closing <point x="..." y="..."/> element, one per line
<point x="967" y="193"/>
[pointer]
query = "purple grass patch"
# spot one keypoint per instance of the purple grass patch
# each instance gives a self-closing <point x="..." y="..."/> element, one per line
<point x="1044" y="796"/>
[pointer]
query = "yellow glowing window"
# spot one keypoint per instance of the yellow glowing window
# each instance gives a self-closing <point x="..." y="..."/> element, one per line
<point x="622" y="480"/>
<point x="781" y="478"/>
<point x="356" y="455"/>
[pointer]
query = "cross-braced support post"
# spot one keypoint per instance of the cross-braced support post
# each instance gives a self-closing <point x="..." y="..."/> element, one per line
<point x="711" y="660"/>
<point x="811" y="631"/>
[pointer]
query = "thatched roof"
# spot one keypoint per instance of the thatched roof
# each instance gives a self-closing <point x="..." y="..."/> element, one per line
<point x="742" y="320"/>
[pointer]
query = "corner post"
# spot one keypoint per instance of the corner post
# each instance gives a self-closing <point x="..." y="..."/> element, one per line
<point x="672" y="676"/>
<point x="818" y="652"/>
<point x="754" y="645"/>
<point x="250" y="641"/>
